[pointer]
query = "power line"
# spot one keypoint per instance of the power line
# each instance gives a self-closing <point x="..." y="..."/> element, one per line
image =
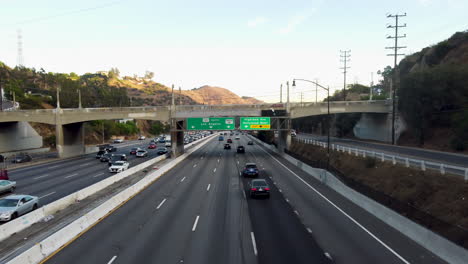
<point x="395" y="70"/>
<point x="345" y="59"/>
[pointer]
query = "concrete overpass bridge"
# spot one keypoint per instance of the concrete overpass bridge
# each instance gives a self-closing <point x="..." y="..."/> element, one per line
<point x="70" y="129"/>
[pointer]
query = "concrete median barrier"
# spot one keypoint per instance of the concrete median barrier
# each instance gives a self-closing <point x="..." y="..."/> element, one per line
<point x="52" y="243"/>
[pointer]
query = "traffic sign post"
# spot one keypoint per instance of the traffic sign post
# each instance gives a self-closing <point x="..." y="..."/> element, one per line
<point x="211" y="123"/>
<point x="255" y="123"/>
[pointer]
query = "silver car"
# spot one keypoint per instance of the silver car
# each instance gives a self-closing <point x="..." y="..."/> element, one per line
<point x="141" y="153"/>
<point x="15" y="205"/>
<point x="7" y="186"/>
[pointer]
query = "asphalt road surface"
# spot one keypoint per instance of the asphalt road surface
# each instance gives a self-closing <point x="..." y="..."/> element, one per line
<point x="418" y="153"/>
<point x="54" y="180"/>
<point x="198" y="213"/>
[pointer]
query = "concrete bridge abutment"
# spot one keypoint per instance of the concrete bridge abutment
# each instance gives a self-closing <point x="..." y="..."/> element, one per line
<point x="70" y="139"/>
<point x="17" y="136"/>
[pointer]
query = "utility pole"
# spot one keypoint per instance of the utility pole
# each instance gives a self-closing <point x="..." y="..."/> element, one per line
<point x="173" y="102"/>
<point x="79" y="98"/>
<point x="344" y="57"/>
<point x="395" y="70"/>
<point x="316" y="90"/>
<point x="287" y="104"/>
<point x="302" y="95"/>
<point x="281" y="93"/>
<point x="58" y="96"/>
<point x="180" y="96"/>
<point x="371" y="85"/>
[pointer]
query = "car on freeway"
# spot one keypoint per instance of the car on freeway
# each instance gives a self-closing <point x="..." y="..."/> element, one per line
<point x="240" y="149"/>
<point x="227" y="146"/>
<point x="237" y="137"/>
<point x="13" y="206"/>
<point x="119" y="166"/>
<point x="220" y="138"/>
<point x="7" y="186"/>
<point x="4" y="174"/>
<point x="250" y="142"/>
<point x="118" y="140"/>
<point x="23" y="157"/>
<point x="168" y="144"/>
<point x="161" y="150"/>
<point x="133" y="151"/>
<point x="105" y="157"/>
<point x="293" y="133"/>
<point x="162" y="140"/>
<point x="152" y="146"/>
<point x="229" y="140"/>
<point x="259" y="187"/>
<point x="141" y="153"/>
<point x="141" y="138"/>
<point x="250" y="170"/>
<point x="108" y="148"/>
<point x="100" y="153"/>
<point x="117" y="157"/>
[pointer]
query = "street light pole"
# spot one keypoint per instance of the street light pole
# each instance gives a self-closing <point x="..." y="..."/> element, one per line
<point x="328" y="114"/>
<point x="79" y="98"/>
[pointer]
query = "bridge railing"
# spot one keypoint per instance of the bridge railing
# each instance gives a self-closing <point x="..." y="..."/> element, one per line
<point x="343" y="103"/>
<point x="422" y="165"/>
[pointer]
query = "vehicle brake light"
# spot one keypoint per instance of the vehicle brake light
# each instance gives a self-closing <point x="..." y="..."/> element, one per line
<point x="253" y="189"/>
<point x="267" y="189"/>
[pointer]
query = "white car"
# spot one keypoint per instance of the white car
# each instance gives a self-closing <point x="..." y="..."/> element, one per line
<point x="7" y="186"/>
<point x="119" y="166"/>
<point x="141" y="153"/>
<point x="16" y="205"/>
<point x="141" y="138"/>
<point x="237" y="137"/>
<point x="167" y="144"/>
<point x="118" y="140"/>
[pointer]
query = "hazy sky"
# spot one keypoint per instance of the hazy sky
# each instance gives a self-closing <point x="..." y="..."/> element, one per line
<point x="249" y="47"/>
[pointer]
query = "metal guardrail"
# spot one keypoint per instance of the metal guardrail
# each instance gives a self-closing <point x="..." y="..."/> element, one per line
<point x="384" y="157"/>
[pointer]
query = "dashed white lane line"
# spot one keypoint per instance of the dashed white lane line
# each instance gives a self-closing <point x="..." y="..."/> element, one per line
<point x="296" y="212"/>
<point x="160" y="204"/>
<point x="53" y="167"/>
<point x="208" y="188"/>
<point x="45" y="175"/>
<point x="46" y="195"/>
<point x="195" y="223"/>
<point x="214" y="170"/>
<point x="194" y="165"/>
<point x="309" y="230"/>
<point x="83" y="165"/>
<point x="339" y="209"/>
<point x="287" y="200"/>
<point x="72" y="175"/>
<point x="97" y="175"/>
<point x="237" y="162"/>
<point x="245" y="196"/>
<point x="112" y="260"/>
<point x="183" y="179"/>
<point x="253" y="243"/>
<point x="280" y="190"/>
<point x="218" y="160"/>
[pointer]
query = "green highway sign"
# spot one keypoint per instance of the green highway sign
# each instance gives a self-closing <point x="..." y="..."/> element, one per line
<point x="211" y="123"/>
<point x="255" y="123"/>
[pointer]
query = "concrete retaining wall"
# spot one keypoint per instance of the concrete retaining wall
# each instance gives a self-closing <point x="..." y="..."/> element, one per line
<point x="16" y="136"/>
<point x="433" y="242"/>
<point x="43" y="249"/>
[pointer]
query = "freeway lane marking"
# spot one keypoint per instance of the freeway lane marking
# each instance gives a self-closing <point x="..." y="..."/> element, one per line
<point x="339" y="209"/>
<point x="253" y="243"/>
<point x="195" y="224"/>
<point x="214" y="170"/>
<point x="46" y="195"/>
<point x="53" y="167"/>
<point x="194" y="165"/>
<point x="208" y="188"/>
<point x="86" y="164"/>
<point x="112" y="260"/>
<point x="45" y="175"/>
<point x="183" y="179"/>
<point x="160" y="204"/>
<point x="97" y="175"/>
<point x="218" y="160"/>
<point x="72" y="175"/>
<point x="309" y="230"/>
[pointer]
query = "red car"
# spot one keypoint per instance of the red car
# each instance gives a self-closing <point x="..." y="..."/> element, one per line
<point x="229" y="140"/>
<point x="152" y="146"/>
<point x="3" y="174"/>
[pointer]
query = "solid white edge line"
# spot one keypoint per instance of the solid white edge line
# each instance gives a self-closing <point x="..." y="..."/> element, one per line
<point x="46" y="195"/>
<point x="195" y="223"/>
<point x="253" y="243"/>
<point x="183" y="179"/>
<point x="160" y="204"/>
<point x="339" y="209"/>
<point x="208" y="188"/>
<point x="112" y="260"/>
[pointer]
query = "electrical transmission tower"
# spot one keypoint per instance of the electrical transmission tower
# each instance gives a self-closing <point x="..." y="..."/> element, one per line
<point x="395" y="55"/>
<point x="19" y="58"/>
<point x="344" y="57"/>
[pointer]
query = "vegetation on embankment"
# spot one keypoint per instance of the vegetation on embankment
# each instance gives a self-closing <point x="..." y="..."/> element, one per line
<point x="438" y="202"/>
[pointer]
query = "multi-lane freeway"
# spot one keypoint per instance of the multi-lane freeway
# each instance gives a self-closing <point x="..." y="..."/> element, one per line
<point x="198" y="213"/>
<point x="54" y="180"/>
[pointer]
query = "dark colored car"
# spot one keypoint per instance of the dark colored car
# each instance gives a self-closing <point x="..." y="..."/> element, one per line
<point x="162" y="140"/>
<point x="220" y="138"/>
<point x="227" y="146"/>
<point x="133" y="151"/>
<point x="22" y="158"/>
<point x="152" y="146"/>
<point x="250" y="142"/>
<point x="240" y="149"/>
<point x="259" y="187"/>
<point x="106" y="157"/>
<point x="229" y="140"/>
<point x="117" y="157"/>
<point x="250" y="170"/>
<point x="161" y="150"/>
<point x="100" y="153"/>
<point x="108" y="148"/>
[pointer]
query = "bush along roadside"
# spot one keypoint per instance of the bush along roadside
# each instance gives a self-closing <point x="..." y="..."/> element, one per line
<point x="437" y="202"/>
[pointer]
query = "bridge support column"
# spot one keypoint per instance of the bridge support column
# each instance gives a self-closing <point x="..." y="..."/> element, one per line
<point x="284" y="140"/>
<point x="177" y="139"/>
<point x="70" y="139"/>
